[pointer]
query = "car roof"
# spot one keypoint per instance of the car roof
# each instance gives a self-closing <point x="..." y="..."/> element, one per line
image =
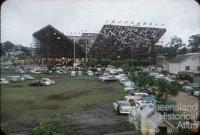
<point x="122" y="101"/>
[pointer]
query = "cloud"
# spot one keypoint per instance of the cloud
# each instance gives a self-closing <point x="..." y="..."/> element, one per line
<point x="20" y="19"/>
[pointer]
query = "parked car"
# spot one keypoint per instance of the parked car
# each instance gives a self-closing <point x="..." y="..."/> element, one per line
<point x="47" y="81"/>
<point x="159" y="76"/>
<point x="188" y="88"/>
<point x="90" y="73"/>
<point x="36" y="83"/>
<point x="80" y="73"/>
<point x="13" y="79"/>
<point x="196" y="93"/>
<point x="128" y="89"/>
<point x="4" y="81"/>
<point x="129" y="84"/>
<point x="20" y="71"/>
<point x="108" y="78"/>
<point x="47" y="72"/>
<point x="142" y="103"/>
<point x="122" y="107"/>
<point x="123" y="80"/>
<point x="35" y="71"/>
<point x="135" y="96"/>
<point x="61" y="72"/>
<point x="27" y="77"/>
<point x="73" y="73"/>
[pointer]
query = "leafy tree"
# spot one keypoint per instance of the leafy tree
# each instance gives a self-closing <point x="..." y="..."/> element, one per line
<point x="194" y="43"/>
<point x="176" y="46"/>
<point x="125" y="67"/>
<point x="176" y="42"/>
<point x="106" y="62"/>
<point x="182" y="51"/>
<point x="8" y="46"/>
<point x="94" y="61"/>
<point x="169" y="52"/>
<point x="162" y="90"/>
<point x="174" y="88"/>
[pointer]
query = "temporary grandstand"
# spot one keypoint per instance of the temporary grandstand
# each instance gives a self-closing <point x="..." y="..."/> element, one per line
<point x="51" y="43"/>
<point x="126" y="42"/>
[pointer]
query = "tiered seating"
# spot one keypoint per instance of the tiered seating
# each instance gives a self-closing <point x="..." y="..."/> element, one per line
<point x="114" y="41"/>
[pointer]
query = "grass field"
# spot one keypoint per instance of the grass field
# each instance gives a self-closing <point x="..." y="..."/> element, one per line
<point x="68" y="95"/>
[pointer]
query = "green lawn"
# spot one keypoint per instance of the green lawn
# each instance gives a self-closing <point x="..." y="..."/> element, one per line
<point x="68" y="95"/>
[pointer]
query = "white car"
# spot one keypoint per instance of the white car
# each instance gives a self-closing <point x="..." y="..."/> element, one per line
<point x="27" y="77"/>
<point x="196" y="93"/>
<point x="61" y="72"/>
<point x="35" y="71"/>
<point x="135" y="96"/>
<point x="13" y="78"/>
<point x="159" y="76"/>
<point x="142" y="103"/>
<point x="188" y="88"/>
<point x="4" y="81"/>
<point x="47" y="81"/>
<point x="129" y="84"/>
<point x="122" y="107"/>
<point x="80" y="73"/>
<point x="127" y="89"/>
<point x="123" y="80"/>
<point x="108" y="78"/>
<point x="121" y="76"/>
<point x="90" y="73"/>
<point x="73" y="73"/>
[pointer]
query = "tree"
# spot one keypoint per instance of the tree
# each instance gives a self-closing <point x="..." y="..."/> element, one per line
<point x="174" y="88"/>
<point x="176" y="42"/>
<point x="194" y="43"/>
<point x="105" y="62"/>
<point x="182" y="51"/>
<point x="8" y="46"/>
<point x="176" y="47"/>
<point x="162" y="90"/>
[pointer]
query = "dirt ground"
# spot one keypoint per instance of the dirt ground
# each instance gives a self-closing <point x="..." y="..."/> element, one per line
<point x="100" y="119"/>
<point x="97" y="119"/>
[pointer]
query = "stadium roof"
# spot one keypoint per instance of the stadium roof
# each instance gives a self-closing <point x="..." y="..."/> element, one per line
<point x="45" y="33"/>
<point x="116" y="40"/>
<point x="49" y="42"/>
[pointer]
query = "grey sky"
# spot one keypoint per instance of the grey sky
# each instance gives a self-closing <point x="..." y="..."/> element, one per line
<point x="20" y="19"/>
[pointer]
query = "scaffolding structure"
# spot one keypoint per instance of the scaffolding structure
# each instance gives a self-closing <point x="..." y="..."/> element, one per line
<point x="126" y="42"/>
<point x="48" y="42"/>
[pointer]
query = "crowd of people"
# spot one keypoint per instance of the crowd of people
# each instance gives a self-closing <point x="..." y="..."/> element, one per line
<point x="115" y="39"/>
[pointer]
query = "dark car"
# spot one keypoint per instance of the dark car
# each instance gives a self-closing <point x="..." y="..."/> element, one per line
<point x="36" y="83"/>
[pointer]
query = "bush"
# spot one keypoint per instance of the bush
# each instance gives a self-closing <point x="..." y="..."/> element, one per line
<point x="50" y="128"/>
<point x="106" y="62"/>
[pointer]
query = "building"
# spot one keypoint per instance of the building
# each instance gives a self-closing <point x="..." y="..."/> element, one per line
<point x="126" y="42"/>
<point x="186" y="63"/>
<point x="49" y="43"/>
<point x="86" y="41"/>
<point x="160" y="59"/>
<point x="153" y="122"/>
<point x="75" y="38"/>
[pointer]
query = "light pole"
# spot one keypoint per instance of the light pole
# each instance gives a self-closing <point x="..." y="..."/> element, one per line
<point x="86" y="50"/>
<point x="132" y="55"/>
<point x="74" y="51"/>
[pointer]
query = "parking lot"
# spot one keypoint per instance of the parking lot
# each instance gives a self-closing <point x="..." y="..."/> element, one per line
<point x="81" y="102"/>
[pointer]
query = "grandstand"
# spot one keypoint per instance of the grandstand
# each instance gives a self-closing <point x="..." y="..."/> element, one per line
<point x="51" y="43"/>
<point x="126" y="42"/>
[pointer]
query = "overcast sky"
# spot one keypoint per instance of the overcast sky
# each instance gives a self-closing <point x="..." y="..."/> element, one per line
<point x="21" y="18"/>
